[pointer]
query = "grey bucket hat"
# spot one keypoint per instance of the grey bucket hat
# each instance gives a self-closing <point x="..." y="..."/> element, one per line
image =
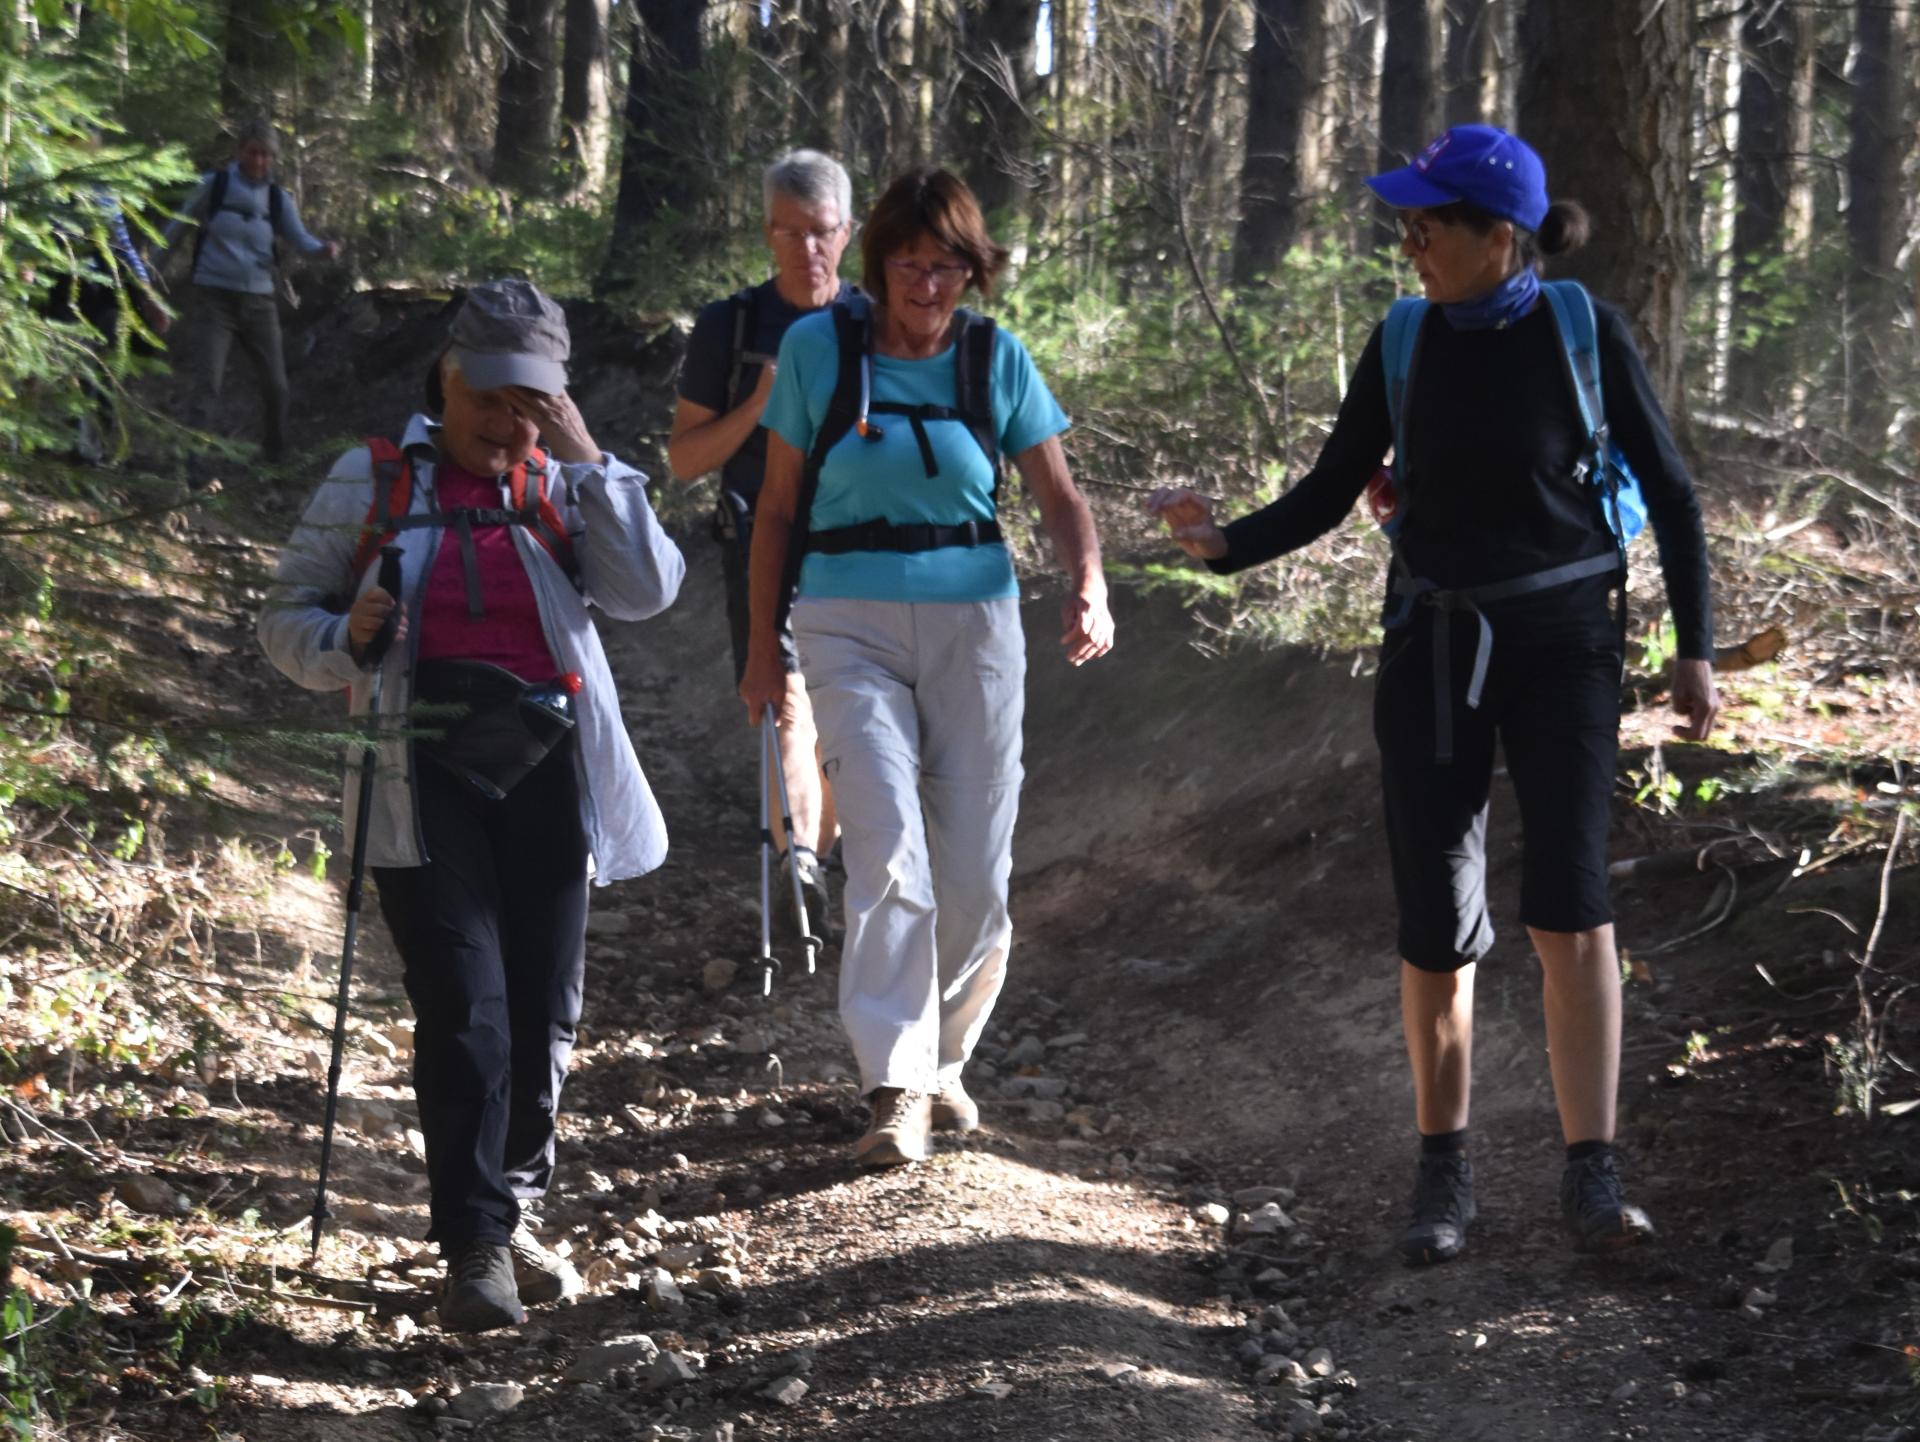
<point x="508" y="334"/>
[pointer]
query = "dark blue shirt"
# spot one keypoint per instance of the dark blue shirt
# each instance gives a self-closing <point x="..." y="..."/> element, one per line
<point x="706" y="372"/>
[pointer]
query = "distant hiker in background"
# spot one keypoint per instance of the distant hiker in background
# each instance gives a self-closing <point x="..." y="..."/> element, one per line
<point x="239" y="216"/>
<point x="1520" y="416"/>
<point x="482" y="836"/>
<point x="724" y="384"/>
<point x="107" y="278"/>
<point x="886" y="426"/>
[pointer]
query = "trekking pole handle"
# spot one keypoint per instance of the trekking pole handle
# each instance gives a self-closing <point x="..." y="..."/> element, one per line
<point x="388" y="581"/>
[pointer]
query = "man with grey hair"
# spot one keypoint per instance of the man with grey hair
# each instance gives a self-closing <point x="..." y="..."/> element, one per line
<point x="724" y="384"/>
<point x="240" y="216"/>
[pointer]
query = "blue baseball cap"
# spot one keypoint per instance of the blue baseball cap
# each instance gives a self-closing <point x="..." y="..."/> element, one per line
<point x="1480" y="164"/>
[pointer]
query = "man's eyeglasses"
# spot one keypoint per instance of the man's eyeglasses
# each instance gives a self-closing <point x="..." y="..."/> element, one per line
<point x="820" y="235"/>
<point x="1418" y="232"/>
<point x="943" y="274"/>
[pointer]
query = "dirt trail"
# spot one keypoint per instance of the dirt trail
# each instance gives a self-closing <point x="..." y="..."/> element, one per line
<point x="1202" y="1003"/>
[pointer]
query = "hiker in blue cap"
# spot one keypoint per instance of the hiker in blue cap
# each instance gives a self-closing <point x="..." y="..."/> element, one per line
<point x="1527" y="444"/>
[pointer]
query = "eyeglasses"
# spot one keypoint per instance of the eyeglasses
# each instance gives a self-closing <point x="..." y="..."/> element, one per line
<point x="820" y="235"/>
<point x="1418" y="232"/>
<point x="944" y="274"/>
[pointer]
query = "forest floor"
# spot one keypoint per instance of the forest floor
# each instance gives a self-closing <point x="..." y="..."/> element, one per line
<point x="1179" y="1219"/>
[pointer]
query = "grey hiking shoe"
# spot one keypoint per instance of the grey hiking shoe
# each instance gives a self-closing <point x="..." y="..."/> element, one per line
<point x="480" y="1293"/>
<point x="1442" y="1209"/>
<point x="538" y="1274"/>
<point x="1600" y="1218"/>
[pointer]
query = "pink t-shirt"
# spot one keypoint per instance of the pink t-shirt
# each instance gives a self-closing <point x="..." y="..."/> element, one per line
<point x="509" y="634"/>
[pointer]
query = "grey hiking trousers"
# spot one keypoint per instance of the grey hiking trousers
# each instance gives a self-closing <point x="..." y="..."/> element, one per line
<point x="227" y="316"/>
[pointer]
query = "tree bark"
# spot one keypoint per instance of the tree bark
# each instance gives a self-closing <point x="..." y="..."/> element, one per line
<point x="585" y="107"/>
<point x="1288" y="37"/>
<point x="823" y="75"/>
<point x="1409" y="94"/>
<point x="996" y="92"/>
<point x="1774" y="39"/>
<point x="1604" y="97"/>
<point x="1479" y="36"/>
<point x="524" y="140"/>
<point x="1876" y="211"/>
<point x="247" y="61"/>
<point x="657" y="175"/>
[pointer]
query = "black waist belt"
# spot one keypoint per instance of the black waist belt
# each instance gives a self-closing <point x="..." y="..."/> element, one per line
<point x="1411" y="590"/>
<point x="885" y="536"/>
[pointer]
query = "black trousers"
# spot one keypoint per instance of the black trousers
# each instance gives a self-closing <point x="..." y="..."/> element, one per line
<point x="492" y="932"/>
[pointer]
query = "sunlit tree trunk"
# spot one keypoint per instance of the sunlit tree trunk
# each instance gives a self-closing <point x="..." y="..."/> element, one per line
<point x="1774" y="42"/>
<point x="657" y="175"/>
<point x="996" y="89"/>
<point x="585" y="108"/>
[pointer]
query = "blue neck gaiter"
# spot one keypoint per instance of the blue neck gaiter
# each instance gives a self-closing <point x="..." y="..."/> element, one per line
<point x="1500" y="307"/>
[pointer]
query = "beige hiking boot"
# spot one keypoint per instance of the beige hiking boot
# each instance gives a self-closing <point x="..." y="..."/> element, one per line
<point x="954" y="1110"/>
<point x="898" y="1133"/>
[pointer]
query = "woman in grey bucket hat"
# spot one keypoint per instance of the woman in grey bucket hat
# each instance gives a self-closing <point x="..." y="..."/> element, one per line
<point x="482" y="873"/>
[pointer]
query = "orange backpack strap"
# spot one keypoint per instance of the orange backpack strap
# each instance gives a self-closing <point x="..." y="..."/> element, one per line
<point x="392" y="498"/>
<point x="540" y="516"/>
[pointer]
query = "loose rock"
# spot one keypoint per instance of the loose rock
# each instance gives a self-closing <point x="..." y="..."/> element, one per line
<point x="483" y="1401"/>
<point x="787" y="1391"/>
<point x="152" y="1194"/>
<point x="669" y="1369"/>
<point x="1212" y="1214"/>
<point x="718" y="974"/>
<point x="596" y="1365"/>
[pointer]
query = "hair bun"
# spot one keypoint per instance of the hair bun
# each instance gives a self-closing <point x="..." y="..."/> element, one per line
<point x="1566" y="227"/>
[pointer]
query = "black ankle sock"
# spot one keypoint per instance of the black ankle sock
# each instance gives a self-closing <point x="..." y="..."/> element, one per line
<point x="1434" y="1144"/>
<point x="1580" y="1151"/>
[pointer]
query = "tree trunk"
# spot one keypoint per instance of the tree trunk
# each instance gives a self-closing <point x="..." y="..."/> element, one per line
<point x="1478" y="37"/>
<point x="657" y="174"/>
<point x="996" y="91"/>
<point x="524" y="142"/>
<point x="1604" y="96"/>
<point x="1774" y="39"/>
<point x="585" y="109"/>
<point x="1288" y="36"/>
<point x="1409" y="96"/>
<point x="247" y="61"/>
<point x="1876" y="212"/>
<point x="823" y="75"/>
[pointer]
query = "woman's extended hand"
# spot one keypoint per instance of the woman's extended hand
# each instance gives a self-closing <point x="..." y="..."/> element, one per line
<point x="1694" y="697"/>
<point x="561" y="425"/>
<point x="1086" y="626"/>
<point x="1189" y="520"/>
<point x="368" y="613"/>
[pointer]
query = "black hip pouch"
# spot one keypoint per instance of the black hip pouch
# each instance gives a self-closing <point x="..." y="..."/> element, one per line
<point x="486" y="725"/>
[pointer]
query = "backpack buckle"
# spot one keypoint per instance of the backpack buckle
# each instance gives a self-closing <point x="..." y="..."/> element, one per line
<point x="972" y="532"/>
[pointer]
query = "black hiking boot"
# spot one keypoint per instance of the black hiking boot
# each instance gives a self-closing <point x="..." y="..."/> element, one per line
<point x="1442" y="1208"/>
<point x="481" y="1294"/>
<point x="1598" y="1216"/>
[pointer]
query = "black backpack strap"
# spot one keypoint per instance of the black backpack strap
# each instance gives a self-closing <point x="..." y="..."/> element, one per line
<point x="853" y="342"/>
<point x="973" y="383"/>
<point x="216" y="197"/>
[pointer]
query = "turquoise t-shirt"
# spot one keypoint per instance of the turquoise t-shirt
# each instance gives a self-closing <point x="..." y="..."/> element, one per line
<point x="886" y="479"/>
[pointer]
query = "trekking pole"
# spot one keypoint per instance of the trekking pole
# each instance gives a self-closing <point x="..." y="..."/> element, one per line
<point x="808" y="940"/>
<point x="769" y="964"/>
<point x="389" y="581"/>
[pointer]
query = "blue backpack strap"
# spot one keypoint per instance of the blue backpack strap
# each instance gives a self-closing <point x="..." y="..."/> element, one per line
<point x="1573" y="314"/>
<point x="1398" y="348"/>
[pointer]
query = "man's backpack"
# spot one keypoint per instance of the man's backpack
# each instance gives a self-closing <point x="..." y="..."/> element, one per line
<point x="1621" y="502"/>
<point x="217" y="198"/>
<point x="738" y="356"/>
<point x="390" y="512"/>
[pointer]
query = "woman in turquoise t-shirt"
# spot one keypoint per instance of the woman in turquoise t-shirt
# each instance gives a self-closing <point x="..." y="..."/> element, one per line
<point x="908" y="627"/>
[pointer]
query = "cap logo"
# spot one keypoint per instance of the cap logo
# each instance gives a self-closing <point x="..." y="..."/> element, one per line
<point x="1432" y="152"/>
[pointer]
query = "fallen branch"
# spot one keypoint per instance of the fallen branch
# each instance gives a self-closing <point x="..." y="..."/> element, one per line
<point x="1733" y="895"/>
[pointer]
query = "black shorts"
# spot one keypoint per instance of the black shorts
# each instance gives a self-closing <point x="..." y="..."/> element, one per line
<point x="733" y="563"/>
<point x="1555" y="710"/>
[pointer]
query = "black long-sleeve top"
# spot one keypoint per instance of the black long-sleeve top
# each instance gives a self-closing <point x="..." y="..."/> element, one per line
<point x="1493" y="439"/>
